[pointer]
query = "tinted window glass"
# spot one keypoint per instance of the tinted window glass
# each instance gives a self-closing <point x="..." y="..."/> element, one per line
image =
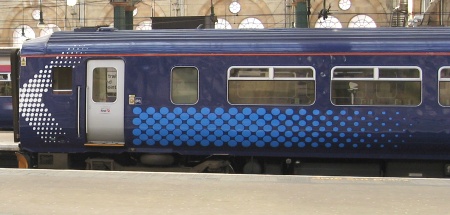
<point x="62" y="80"/>
<point x="105" y="84"/>
<point x="184" y="87"/>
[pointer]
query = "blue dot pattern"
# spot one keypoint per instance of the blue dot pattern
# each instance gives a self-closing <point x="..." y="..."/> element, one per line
<point x="267" y="127"/>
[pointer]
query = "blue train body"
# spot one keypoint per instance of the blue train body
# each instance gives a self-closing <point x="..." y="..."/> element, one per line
<point x="152" y="119"/>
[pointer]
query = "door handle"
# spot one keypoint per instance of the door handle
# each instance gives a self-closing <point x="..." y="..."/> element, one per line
<point x="86" y="113"/>
<point x="78" y="110"/>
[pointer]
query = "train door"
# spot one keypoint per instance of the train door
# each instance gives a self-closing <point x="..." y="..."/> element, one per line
<point x="105" y="101"/>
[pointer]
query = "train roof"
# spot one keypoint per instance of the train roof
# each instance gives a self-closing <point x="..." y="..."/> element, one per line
<point x="241" y="41"/>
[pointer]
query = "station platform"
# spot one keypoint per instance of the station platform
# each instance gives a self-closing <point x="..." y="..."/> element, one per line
<point x="7" y="141"/>
<point x="37" y="191"/>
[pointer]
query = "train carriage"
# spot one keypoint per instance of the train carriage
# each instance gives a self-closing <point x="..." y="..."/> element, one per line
<point x="276" y="96"/>
<point x="6" y="118"/>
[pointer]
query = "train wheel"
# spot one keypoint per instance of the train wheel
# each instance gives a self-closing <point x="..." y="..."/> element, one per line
<point x="252" y="167"/>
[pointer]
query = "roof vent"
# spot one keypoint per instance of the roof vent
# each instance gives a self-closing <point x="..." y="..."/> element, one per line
<point x="107" y="29"/>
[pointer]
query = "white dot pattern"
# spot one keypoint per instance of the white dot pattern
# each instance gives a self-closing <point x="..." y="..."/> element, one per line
<point x="32" y="108"/>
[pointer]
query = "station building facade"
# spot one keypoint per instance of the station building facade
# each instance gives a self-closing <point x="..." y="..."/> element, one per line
<point x="27" y="19"/>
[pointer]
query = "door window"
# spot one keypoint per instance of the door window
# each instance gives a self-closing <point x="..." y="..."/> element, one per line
<point x="104" y="84"/>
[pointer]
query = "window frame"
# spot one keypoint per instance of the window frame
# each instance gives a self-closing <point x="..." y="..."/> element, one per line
<point x="96" y="85"/>
<point x="440" y="80"/>
<point x="8" y="79"/>
<point x="376" y="78"/>
<point x="271" y="77"/>
<point x="171" y="85"/>
<point x="62" y="92"/>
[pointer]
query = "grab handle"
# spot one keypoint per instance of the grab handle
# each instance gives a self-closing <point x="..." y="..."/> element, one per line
<point x="78" y="110"/>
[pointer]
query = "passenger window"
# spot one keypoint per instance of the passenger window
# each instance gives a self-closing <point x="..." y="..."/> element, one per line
<point x="5" y="84"/>
<point x="353" y="73"/>
<point x="62" y="80"/>
<point x="376" y="86"/>
<point x="271" y="85"/>
<point x="250" y="73"/>
<point x="184" y="87"/>
<point x="104" y="84"/>
<point x="444" y="86"/>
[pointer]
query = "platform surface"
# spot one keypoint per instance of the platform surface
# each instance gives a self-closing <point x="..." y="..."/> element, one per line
<point x="33" y="191"/>
<point x="7" y="142"/>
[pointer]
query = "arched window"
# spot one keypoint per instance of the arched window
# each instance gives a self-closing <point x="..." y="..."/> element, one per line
<point x="249" y="23"/>
<point x="222" y="24"/>
<point x="21" y="34"/>
<point x="49" y="29"/>
<point x="144" y="25"/>
<point x="330" y="22"/>
<point x="362" y="21"/>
